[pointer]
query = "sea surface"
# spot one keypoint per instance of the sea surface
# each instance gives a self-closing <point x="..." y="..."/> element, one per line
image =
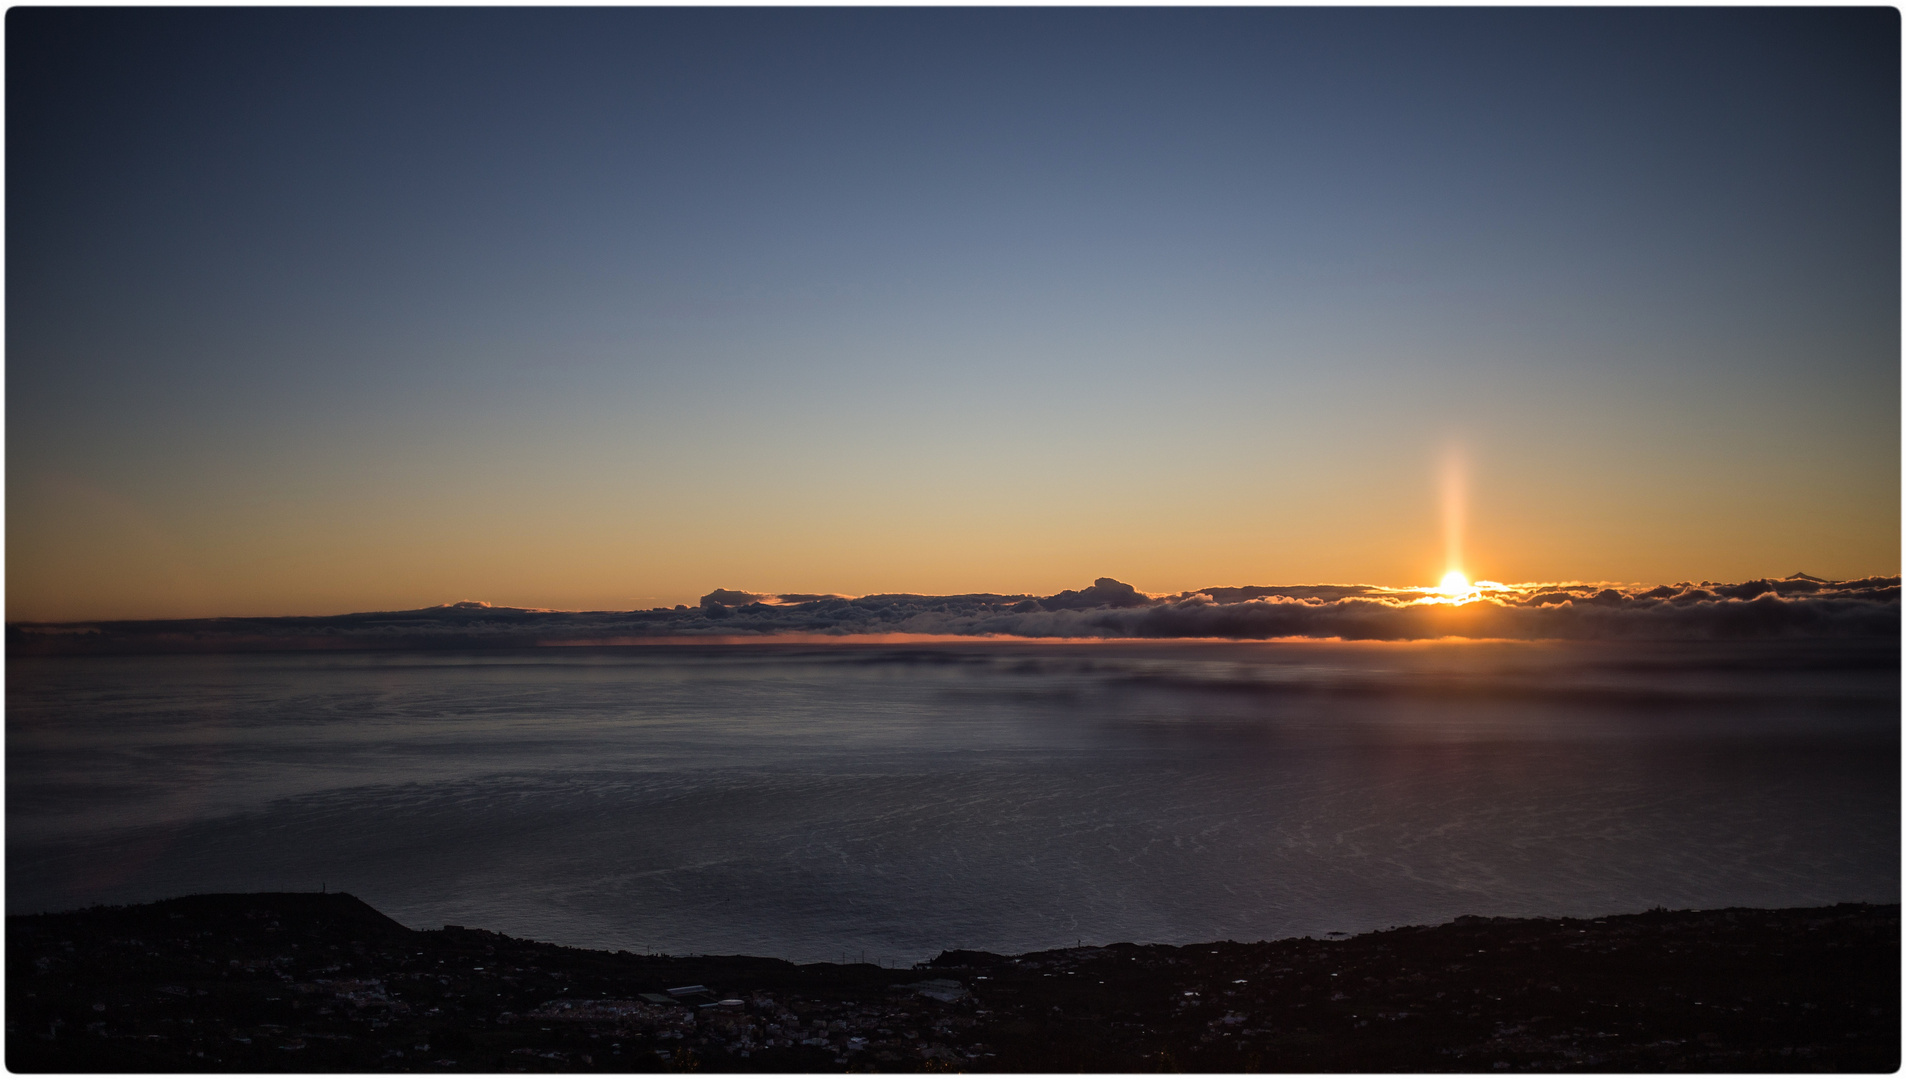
<point x="888" y="800"/>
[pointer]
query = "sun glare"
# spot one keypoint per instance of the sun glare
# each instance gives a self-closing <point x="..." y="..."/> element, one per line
<point x="1454" y="583"/>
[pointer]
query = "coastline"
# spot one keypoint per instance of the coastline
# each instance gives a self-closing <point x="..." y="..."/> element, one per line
<point x="268" y="982"/>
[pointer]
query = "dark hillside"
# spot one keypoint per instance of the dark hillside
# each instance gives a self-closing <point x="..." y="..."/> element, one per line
<point x="317" y="982"/>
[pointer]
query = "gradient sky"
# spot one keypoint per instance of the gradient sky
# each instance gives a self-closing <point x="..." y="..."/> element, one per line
<point x="318" y="311"/>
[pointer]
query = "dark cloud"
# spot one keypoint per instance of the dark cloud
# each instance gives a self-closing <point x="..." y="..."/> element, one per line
<point x="1798" y="607"/>
<point x="1105" y="592"/>
<point x="1238" y="594"/>
<point x="731" y="598"/>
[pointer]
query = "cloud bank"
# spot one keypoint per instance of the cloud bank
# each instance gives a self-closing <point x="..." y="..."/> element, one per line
<point x="1793" y="607"/>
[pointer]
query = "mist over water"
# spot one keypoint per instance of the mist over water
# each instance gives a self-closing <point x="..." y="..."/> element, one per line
<point x="810" y="801"/>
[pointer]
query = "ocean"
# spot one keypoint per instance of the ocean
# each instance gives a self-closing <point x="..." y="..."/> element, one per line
<point x="889" y="799"/>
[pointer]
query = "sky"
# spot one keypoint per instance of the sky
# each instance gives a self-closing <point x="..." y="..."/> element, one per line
<point x="315" y="311"/>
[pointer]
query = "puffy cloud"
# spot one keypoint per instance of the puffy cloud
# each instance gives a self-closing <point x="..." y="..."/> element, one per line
<point x="1794" y="607"/>
<point x="731" y="598"/>
<point x="736" y="598"/>
<point x="1105" y="592"/>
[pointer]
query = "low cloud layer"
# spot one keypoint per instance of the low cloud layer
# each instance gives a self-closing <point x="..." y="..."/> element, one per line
<point x="1793" y="607"/>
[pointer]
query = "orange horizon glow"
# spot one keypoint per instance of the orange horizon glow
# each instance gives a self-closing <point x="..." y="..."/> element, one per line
<point x="1454" y="497"/>
<point x="1453" y="591"/>
<point x="87" y="552"/>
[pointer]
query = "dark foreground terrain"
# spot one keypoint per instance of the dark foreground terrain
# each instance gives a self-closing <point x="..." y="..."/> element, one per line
<point x="300" y="981"/>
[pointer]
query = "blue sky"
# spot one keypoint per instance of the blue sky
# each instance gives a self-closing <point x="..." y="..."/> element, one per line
<point x="357" y="308"/>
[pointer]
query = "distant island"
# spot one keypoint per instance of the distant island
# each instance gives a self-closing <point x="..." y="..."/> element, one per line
<point x="273" y="982"/>
<point x="1797" y="606"/>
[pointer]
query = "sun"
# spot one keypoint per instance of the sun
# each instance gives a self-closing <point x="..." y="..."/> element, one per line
<point x="1454" y="584"/>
